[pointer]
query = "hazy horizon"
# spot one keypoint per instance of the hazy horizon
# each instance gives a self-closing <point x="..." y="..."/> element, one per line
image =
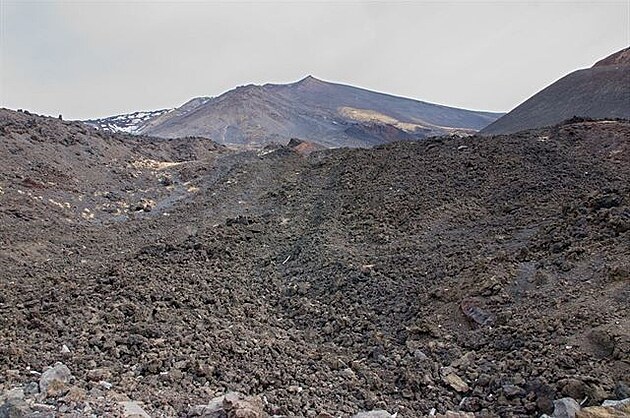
<point x="89" y="59"/>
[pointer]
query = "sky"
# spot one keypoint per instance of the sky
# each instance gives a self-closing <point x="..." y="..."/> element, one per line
<point x="86" y="59"/>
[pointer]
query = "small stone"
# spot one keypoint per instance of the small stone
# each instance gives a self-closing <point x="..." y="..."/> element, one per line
<point x="456" y="383"/>
<point x="117" y="397"/>
<point x="464" y="361"/>
<point x="419" y="355"/>
<point x="573" y="388"/>
<point x="348" y="373"/>
<point x="617" y="404"/>
<point x="12" y="373"/>
<point x="377" y="413"/>
<point x="544" y="397"/>
<point x="56" y="389"/>
<point x="17" y="393"/>
<point x="75" y="394"/>
<point x="565" y="408"/>
<point x="15" y="408"/>
<point x="484" y="380"/>
<point x="245" y="413"/>
<point x="303" y="288"/>
<point x="32" y="388"/>
<point x="175" y="375"/>
<point x="212" y="410"/>
<point x="96" y="393"/>
<point x="132" y="409"/>
<point x="596" y="393"/>
<point x="622" y="391"/>
<point x="96" y="375"/>
<point x="518" y="379"/>
<point x="427" y="379"/>
<point x="476" y="314"/>
<point x="512" y="391"/>
<point x="603" y="412"/>
<point x="232" y="404"/>
<point x="43" y="410"/>
<point x="65" y="349"/>
<point x="295" y="389"/>
<point x="470" y="404"/>
<point x="240" y="406"/>
<point x="105" y="384"/>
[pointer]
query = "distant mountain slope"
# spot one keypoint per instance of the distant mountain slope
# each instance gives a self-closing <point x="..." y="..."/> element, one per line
<point x="72" y="173"/>
<point x="602" y="91"/>
<point x="618" y="58"/>
<point x="128" y="123"/>
<point x="329" y="114"/>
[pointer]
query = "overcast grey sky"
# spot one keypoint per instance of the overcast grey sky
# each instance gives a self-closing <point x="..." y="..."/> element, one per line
<point x="97" y="58"/>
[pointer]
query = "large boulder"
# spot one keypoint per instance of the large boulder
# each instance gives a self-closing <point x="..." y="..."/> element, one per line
<point x="565" y="408"/>
<point x="55" y="381"/>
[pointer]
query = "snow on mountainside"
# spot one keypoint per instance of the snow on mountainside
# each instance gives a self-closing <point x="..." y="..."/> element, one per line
<point x="131" y="123"/>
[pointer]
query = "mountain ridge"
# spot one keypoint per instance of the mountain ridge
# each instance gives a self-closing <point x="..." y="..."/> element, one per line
<point x="601" y="91"/>
<point x="327" y="113"/>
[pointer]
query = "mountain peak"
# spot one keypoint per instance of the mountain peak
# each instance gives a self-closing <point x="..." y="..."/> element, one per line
<point x="310" y="80"/>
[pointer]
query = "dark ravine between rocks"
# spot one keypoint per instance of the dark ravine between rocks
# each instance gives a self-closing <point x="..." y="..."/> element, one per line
<point x="483" y="276"/>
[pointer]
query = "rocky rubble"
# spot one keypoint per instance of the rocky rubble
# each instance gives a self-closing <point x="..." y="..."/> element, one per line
<point x="471" y="276"/>
<point x="58" y="394"/>
<point x="570" y="408"/>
